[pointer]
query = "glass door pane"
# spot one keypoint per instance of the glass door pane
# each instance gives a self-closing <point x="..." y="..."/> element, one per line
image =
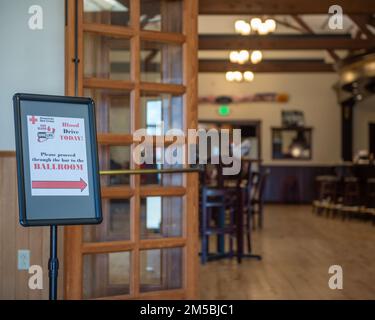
<point x="156" y="15"/>
<point x="161" y="217"/>
<point x="161" y="62"/>
<point x="115" y="12"/>
<point x="106" y="274"/>
<point x="161" y="269"/>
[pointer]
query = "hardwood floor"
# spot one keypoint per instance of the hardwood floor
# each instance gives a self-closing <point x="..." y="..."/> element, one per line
<point x="298" y="247"/>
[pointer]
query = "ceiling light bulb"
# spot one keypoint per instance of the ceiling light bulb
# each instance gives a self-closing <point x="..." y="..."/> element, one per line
<point x="255" y="23"/>
<point x="262" y="29"/>
<point x="248" y="76"/>
<point x="234" y="56"/>
<point x="256" y="56"/>
<point x="246" y="29"/>
<point x="237" y="76"/>
<point x="239" y="25"/>
<point x="229" y="76"/>
<point x="243" y="56"/>
<point x="271" y="25"/>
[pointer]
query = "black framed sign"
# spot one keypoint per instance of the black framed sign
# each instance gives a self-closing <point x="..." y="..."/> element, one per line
<point x="57" y="160"/>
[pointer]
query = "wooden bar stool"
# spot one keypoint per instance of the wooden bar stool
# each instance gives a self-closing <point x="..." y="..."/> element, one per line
<point x="369" y="209"/>
<point x="370" y="193"/>
<point x="326" y="192"/>
<point x="351" y="197"/>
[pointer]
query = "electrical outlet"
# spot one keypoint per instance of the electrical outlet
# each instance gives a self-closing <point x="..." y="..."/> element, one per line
<point x="23" y="259"/>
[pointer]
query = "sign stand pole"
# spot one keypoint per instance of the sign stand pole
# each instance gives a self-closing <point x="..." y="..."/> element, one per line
<point x="53" y="264"/>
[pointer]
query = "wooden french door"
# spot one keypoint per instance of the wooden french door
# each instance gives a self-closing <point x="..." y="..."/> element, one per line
<point x="138" y="60"/>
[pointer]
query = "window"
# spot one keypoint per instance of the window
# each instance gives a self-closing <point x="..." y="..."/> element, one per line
<point x="153" y="117"/>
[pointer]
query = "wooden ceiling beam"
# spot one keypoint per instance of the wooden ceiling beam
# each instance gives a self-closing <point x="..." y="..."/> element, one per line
<point x="283" y="42"/>
<point x="309" y="30"/>
<point x="362" y="21"/>
<point x="314" y="65"/>
<point x="259" y="7"/>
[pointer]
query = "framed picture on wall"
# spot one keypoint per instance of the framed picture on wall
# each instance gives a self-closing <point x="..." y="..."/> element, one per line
<point x="292" y="143"/>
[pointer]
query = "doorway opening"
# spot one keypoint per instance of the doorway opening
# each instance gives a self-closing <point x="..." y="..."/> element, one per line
<point x="251" y="141"/>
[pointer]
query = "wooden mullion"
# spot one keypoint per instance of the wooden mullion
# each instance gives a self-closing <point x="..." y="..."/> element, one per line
<point x="73" y="264"/>
<point x="162" y="243"/>
<point x="80" y="47"/>
<point x="175" y="294"/>
<point x="159" y="142"/>
<point x="69" y="49"/>
<point x="109" y="30"/>
<point x="80" y="94"/>
<point x="164" y="37"/>
<point x="111" y="139"/>
<point x="127" y="139"/>
<point x="107" y="247"/>
<point x="100" y="83"/>
<point x="191" y="204"/>
<point x="117" y="192"/>
<point x="135" y="49"/>
<point x="153" y="87"/>
<point x="117" y="297"/>
<point x="154" y="191"/>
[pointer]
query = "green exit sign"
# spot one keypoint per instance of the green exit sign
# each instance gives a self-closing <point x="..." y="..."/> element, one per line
<point x="223" y="110"/>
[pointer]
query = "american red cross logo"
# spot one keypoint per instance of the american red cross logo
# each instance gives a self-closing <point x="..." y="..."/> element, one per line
<point x="33" y="119"/>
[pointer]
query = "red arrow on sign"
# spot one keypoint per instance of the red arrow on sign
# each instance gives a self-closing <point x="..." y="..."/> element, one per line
<point x="81" y="184"/>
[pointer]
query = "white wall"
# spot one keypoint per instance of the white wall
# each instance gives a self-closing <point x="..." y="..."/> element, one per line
<point x="311" y="93"/>
<point x="30" y="61"/>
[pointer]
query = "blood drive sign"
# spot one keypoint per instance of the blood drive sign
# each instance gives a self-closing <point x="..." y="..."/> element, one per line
<point x="58" y="158"/>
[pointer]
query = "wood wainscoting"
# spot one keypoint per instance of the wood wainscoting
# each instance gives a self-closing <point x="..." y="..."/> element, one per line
<point x="293" y="184"/>
<point x="13" y="237"/>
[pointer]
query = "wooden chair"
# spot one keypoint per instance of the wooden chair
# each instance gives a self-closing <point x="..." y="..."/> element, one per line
<point x="244" y="190"/>
<point x="216" y="202"/>
<point x="241" y="195"/>
<point x="227" y="206"/>
<point x="218" y="207"/>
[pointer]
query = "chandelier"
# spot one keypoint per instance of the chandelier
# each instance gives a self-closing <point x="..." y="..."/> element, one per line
<point x="255" y="25"/>
<point x="243" y="56"/>
<point x="237" y="76"/>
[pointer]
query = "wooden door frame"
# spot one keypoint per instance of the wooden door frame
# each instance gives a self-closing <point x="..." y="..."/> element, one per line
<point x="74" y="247"/>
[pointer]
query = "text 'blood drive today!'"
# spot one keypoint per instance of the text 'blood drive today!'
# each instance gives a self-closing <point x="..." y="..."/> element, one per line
<point x="58" y="156"/>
